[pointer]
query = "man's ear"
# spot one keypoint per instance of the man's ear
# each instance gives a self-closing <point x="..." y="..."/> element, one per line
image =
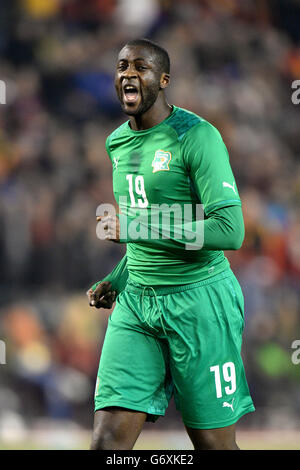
<point x="164" y="80"/>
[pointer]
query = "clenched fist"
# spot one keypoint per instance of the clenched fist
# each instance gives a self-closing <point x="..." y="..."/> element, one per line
<point x="103" y="296"/>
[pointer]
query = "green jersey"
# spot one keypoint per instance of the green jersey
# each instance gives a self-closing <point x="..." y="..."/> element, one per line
<point x="180" y="162"/>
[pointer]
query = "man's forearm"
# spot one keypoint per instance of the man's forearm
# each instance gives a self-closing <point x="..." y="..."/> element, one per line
<point x="222" y="230"/>
<point x="118" y="277"/>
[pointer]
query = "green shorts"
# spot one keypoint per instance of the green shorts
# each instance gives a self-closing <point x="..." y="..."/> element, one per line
<point x="184" y="340"/>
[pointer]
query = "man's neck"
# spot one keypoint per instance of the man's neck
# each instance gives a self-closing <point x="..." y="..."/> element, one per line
<point x="155" y="115"/>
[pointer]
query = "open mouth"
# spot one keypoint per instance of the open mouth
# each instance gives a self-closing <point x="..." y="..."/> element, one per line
<point x="131" y="93"/>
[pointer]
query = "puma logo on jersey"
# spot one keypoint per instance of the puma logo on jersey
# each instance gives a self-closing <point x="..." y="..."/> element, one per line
<point x="161" y="161"/>
<point x="227" y="185"/>
<point x="115" y="164"/>
<point x="228" y="405"/>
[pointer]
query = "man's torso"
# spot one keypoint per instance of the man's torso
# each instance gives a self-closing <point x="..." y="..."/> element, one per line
<point x="149" y="170"/>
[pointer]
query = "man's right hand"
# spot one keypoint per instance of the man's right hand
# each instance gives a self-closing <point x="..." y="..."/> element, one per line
<point x="103" y="296"/>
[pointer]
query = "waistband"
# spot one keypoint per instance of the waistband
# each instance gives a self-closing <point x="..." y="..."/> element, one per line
<point x="137" y="288"/>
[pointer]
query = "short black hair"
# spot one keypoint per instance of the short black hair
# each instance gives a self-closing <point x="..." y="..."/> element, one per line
<point x="161" y="54"/>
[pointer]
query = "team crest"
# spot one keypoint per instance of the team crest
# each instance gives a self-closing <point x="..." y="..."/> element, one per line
<point x="161" y="161"/>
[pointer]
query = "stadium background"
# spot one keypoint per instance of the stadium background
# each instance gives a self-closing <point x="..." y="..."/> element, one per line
<point x="233" y="62"/>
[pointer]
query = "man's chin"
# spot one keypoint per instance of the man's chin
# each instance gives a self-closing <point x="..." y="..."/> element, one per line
<point x="132" y="110"/>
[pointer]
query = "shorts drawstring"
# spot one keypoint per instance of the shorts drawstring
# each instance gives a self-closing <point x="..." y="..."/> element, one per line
<point x="147" y="317"/>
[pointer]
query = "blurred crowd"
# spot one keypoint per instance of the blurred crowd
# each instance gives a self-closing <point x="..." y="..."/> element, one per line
<point x="232" y="62"/>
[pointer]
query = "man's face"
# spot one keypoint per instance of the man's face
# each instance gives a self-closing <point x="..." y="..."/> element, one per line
<point x="137" y="79"/>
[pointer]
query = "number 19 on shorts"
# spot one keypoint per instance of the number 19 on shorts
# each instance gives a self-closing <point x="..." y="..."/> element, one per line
<point x="229" y="376"/>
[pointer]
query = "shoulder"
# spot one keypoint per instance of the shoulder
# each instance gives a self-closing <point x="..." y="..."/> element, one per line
<point x="201" y="132"/>
<point x="116" y="134"/>
<point x="199" y="139"/>
<point x="184" y="121"/>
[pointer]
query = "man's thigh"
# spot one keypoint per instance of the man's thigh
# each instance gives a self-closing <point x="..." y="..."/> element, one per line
<point x="211" y="390"/>
<point x="133" y="370"/>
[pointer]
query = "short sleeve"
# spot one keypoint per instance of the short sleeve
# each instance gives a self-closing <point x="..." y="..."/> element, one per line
<point x="207" y="160"/>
